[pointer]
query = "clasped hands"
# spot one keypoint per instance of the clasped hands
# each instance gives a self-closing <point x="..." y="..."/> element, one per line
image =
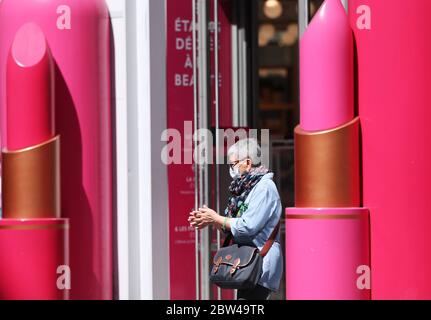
<point x="203" y="217"/>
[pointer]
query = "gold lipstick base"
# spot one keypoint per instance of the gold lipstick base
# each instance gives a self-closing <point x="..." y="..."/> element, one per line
<point x="327" y="167"/>
<point x="31" y="181"/>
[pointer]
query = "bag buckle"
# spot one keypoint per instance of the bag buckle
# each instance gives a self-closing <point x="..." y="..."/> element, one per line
<point x="235" y="266"/>
<point x="217" y="264"/>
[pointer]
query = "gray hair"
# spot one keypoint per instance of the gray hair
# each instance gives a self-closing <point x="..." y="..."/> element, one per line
<point x="246" y="149"/>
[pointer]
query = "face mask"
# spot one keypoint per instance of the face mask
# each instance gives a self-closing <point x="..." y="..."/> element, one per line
<point x="234" y="172"/>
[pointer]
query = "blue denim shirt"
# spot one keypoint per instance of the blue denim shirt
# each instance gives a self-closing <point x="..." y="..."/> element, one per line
<point x="262" y="211"/>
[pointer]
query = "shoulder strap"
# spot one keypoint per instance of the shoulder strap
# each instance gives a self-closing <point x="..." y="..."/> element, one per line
<point x="227" y="240"/>
<point x="268" y="243"/>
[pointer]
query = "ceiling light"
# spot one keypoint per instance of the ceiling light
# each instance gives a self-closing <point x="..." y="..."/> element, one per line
<point x="273" y="9"/>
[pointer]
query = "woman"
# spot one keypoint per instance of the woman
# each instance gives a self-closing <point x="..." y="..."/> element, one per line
<point x="253" y="211"/>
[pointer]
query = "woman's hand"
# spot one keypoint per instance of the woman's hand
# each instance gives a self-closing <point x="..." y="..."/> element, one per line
<point x="203" y="218"/>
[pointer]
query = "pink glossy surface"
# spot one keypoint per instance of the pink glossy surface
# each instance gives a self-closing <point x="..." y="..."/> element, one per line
<point x="322" y="255"/>
<point x="30" y="257"/>
<point x="83" y="119"/>
<point x="394" y="69"/>
<point x="29" y="90"/>
<point x="326" y="69"/>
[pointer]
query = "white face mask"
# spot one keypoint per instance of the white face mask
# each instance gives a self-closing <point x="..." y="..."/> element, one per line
<point x="234" y="172"/>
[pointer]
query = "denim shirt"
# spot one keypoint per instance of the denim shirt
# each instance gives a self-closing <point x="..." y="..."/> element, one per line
<point x="253" y="226"/>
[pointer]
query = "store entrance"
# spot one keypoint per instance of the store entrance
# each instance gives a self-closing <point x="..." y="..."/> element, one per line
<point x="241" y="60"/>
<point x="264" y="63"/>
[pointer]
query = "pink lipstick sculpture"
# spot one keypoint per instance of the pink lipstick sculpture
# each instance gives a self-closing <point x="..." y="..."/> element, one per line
<point x="78" y="35"/>
<point x="33" y="237"/>
<point x="327" y="233"/>
<point x="394" y="76"/>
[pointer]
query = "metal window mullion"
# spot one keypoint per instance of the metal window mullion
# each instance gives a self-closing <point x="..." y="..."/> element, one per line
<point x="195" y="127"/>
<point x="217" y="123"/>
<point x="242" y="64"/>
<point x="303" y="16"/>
<point x="203" y="114"/>
<point x="235" y="66"/>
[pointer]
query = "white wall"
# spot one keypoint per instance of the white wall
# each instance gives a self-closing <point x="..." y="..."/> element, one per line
<point x="117" y="10"/>
<point x="142" y="211"/>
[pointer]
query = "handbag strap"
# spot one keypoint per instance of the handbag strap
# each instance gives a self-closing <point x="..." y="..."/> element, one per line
<point x="268" y="243"/>
<point x="227" y="240"/>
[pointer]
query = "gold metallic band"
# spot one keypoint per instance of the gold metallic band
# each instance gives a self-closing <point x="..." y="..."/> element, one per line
<point x="31" y="181"/>
<point x="34" y="227"/>
<point x="327" y="167"/>
<point x="326" y="217"/>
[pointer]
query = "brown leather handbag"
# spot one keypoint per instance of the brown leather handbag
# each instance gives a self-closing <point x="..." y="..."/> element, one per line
<point x="239" y="266"/>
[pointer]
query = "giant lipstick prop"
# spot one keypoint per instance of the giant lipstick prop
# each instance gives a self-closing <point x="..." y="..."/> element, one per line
<point x="327" y="239"/>
<point x="78" y="34"/>
<point x="33" y="237"/>
<point x="394" y="76"/>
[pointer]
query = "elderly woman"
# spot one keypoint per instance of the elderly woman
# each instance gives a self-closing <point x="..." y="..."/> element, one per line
<point x="252" y="213"/>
